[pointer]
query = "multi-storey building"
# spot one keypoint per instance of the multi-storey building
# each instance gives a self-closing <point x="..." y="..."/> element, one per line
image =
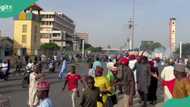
<point x="26" y="31"/>
<point x="56" y="27"/>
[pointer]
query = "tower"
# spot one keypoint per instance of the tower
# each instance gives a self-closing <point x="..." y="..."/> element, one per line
<point x="172" y="34"/>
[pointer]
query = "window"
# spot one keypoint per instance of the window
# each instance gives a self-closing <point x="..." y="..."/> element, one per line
<point x="24" y="28"/>
<point x="23" y="38"/>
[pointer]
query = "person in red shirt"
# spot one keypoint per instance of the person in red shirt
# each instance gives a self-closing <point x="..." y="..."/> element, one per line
<point x="72" y="82"/>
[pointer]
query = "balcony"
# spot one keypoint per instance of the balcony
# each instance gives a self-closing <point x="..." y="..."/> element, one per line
<point x="48" y="19"/>
<point x="49" y="26"/>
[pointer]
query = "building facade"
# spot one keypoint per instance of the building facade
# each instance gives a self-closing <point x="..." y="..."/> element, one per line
<point x="0" y="33"/>
<point x="83" y="36"/>
<point x="26" y="31"/>
<point x="78" y="39"/>
<point x="77" y="43"/>
<point x="56" y="27"/>
<point x="172" y="34"/>
<point x="6" y="47"/>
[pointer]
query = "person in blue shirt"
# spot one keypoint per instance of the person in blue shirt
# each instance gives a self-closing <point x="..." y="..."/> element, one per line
<point x="63" y="69"/>
<point x="43" y="94"/>
<point x="97" y="63"/>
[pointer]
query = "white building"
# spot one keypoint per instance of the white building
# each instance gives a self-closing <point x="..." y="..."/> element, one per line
<point x="58" y="28"/>
<point x="83" y="36"/>
<point x="78" y="38"/>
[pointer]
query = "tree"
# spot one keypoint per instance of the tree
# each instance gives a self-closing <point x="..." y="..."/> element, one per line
<point x="185" y="49"/>
<point x="87" y="45"/>
<point x="150" y="46"/>
<point x="49" y="48"/>
<point x="95" y="49"/>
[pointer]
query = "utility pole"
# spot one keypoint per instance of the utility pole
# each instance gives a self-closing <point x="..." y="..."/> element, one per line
<point x="132" y="26"/>
<point x="180" y="50"/>
<point x="133" y="23"/>
<point x="83" y="49"/>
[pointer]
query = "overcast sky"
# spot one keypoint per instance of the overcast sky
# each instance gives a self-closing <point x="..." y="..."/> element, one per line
<point x="106" y="20"/>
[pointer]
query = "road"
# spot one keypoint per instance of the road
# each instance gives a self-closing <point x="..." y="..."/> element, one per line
<point x="19" y="96"/>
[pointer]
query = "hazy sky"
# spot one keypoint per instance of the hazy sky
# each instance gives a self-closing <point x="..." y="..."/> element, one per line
<point x="106" y="20"/>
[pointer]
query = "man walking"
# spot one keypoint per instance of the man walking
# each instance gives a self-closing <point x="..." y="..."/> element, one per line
<point x="91" y="95"/>
<point x="143" y="80"/>
<point x="35" y="77"/>
<point x="72" y="79"/>
<point x="182" y="83"/>
<point x="43" y="94"/>
<point x="63" y="69"/>
<point x="168" y="79"/>
<point x="129" y="84"/>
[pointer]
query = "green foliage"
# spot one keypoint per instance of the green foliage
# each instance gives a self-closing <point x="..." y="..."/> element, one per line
<point x="89" y="47"/>
<point x="95" y="49"/>
<point x="150" y="46"/>
<point x="86" y="46"/>
<point x="49" y="46"/>
<point x="185" y="49"/>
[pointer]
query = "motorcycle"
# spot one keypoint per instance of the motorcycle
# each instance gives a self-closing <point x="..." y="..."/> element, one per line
<point x="52" y="66"/>
<point x="3" y="73"/>
<point x="26" y="77"/>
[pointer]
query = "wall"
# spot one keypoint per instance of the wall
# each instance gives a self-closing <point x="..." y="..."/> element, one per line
<point x="32" y="36"/>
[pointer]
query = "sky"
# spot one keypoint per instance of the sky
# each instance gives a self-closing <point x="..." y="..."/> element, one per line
<point x="106" y="21"/>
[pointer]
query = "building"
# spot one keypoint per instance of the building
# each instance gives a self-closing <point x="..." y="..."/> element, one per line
<point x="172" y="34"/>
<point x="1" y="52"/>
<point x="0" y="33"/>
<point x="58" y="28"/>
<point x="83" y="36"/>
<point x="27" y="31"/>
<point x="78" y="39"/>
<point x="6" y="47"/>
<point x="77" y="45"/>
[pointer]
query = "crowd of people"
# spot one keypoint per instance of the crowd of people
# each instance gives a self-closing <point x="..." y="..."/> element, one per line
<point x="130" y="76"/>
<point x="139" y="75"/>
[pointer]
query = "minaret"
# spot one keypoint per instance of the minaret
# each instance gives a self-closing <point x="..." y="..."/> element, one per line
<point x="172" y="34"/>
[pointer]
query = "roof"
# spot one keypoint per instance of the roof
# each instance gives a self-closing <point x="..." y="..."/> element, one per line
<point x="35" y="7"/>
<point x="173" y="18"/>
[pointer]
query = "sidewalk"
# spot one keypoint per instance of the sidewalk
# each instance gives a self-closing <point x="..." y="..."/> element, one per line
<point x="136" y="103"/>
